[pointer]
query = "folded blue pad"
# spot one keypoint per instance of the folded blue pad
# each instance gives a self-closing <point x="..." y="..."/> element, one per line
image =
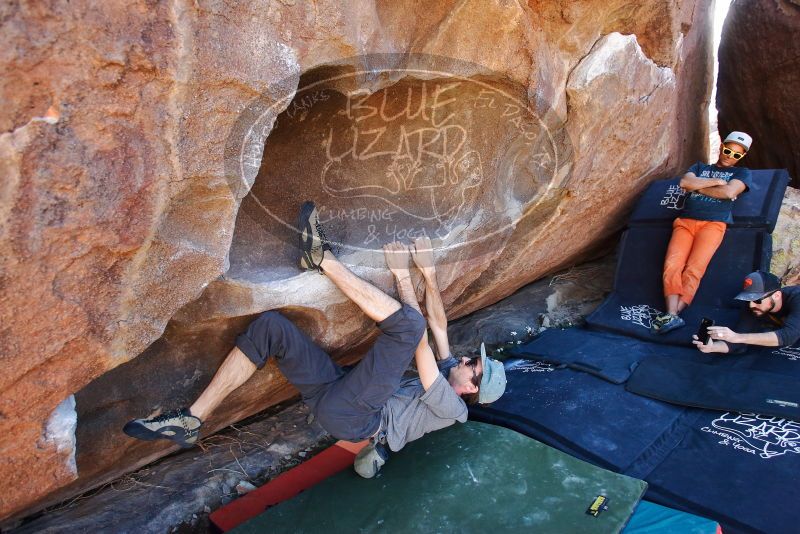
<point x="612" y="357"/>
<point x="717" y="386"/>
<point x="758" y="208"/>
<point x="583" y="415"/>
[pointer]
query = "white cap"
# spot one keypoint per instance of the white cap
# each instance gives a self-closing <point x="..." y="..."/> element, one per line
<point x="740" y="138"/>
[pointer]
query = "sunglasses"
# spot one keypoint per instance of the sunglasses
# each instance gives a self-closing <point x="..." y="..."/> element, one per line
<point x="758" y="301"/>
<point x="473" y="362"/>
<point x="735" y="155"/>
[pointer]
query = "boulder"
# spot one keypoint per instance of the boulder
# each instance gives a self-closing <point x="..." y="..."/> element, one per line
<point x="257" y="450"/>
<point x="153" y="157"/>
<point x="786" y="240"/>
<point x="758" y="88"/>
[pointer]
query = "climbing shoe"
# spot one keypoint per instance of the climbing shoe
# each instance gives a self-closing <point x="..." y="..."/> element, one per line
<point x="313" y="242"/>
<point x="370" y="459"/>
<point x="179" y="426"/>
<point x="667" y="323"/>
<point x="658" y="321"/>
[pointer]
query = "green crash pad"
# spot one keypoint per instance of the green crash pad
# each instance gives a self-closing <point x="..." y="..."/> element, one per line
<point x="466" y="478"/>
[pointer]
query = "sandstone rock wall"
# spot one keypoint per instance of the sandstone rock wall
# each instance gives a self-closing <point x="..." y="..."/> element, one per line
<point x="132" y="249"/>
<point x="786" y="240"/>
<point x="759" y="77"/>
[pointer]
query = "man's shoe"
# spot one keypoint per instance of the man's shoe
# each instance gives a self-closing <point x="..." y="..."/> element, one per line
<point x="313" y="242"/>
<point x="179" y="426"/>
<point x="673" y="323"/>
<point x="370" y="459"/>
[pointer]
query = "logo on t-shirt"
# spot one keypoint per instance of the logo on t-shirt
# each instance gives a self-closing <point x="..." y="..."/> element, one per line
<point x="674" y="197"/>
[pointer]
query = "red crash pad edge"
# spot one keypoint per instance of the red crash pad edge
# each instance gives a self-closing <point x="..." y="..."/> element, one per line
<point x="335" y="458"/>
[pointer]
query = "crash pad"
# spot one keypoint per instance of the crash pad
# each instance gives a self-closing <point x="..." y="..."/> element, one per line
<point x="652" y="518"/>
<point x="717" y="386"/>
<point x="326" y="463"/>
<point x="583" y="415"/>
<point x="638" y="293"/>
<point x="640" y="265"/>
<point x="609" y="356"/>
<point x="737" y="469"/>
<point x="758" y="208"/>
<point x="466" y="478"/>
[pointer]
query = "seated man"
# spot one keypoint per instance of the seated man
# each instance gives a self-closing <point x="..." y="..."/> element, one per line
<point x="373" y="400"/>
<point x="699" y="230"/>
<point x="772" y="318"/>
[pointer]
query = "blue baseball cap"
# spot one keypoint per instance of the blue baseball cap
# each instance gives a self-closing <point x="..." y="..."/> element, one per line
<point x="493" y="383"/>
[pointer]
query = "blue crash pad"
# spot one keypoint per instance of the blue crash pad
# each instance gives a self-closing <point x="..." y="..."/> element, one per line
<point x="651" y="518"/>
<point x="758" y="208"/>
<point x="717" y="386"/>
<point x="583" y="415"/>
<point x="737" y="469"/>
<point x="614" y="357"/>
<point x="763" y="380"/>
<point x="609" y="356"/>
<point x="638" y="292"/>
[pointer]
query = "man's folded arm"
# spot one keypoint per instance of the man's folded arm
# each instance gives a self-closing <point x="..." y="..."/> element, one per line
<point x="690" y="182"/>
<point x="729" y="191"/>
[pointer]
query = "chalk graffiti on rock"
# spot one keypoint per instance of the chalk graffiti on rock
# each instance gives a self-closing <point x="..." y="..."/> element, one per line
<point x="392" y="147"/>
<point x="421" y="150"/>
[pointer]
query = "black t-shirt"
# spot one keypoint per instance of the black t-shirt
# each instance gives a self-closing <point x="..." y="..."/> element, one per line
<point x="785" y="323"/>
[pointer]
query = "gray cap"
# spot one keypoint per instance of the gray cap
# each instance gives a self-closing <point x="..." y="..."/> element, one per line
<point x="758" y="285"/>
<point x="739" y="138"/>
<point x="493" y="383"/>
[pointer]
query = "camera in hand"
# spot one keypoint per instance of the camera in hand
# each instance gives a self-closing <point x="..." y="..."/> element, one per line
<point x="702" y="333"/>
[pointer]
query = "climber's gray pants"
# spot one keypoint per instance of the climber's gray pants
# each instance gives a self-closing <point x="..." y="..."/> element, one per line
<point x="346" y="403"/>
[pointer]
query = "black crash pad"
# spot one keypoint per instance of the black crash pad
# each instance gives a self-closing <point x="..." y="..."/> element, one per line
<point x="638" y="292"/>
<point x="583" y="415"/>
<point x="466" y="478"/>
<point x="609" y="356"/>
<point x="758" y="208"/>
<point x="613" y="357"/>
<point x="701" y="385"/>
<point x="739" y="469"/>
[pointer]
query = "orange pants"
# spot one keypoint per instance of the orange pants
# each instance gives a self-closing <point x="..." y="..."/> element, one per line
<point x="690" y="250"/>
